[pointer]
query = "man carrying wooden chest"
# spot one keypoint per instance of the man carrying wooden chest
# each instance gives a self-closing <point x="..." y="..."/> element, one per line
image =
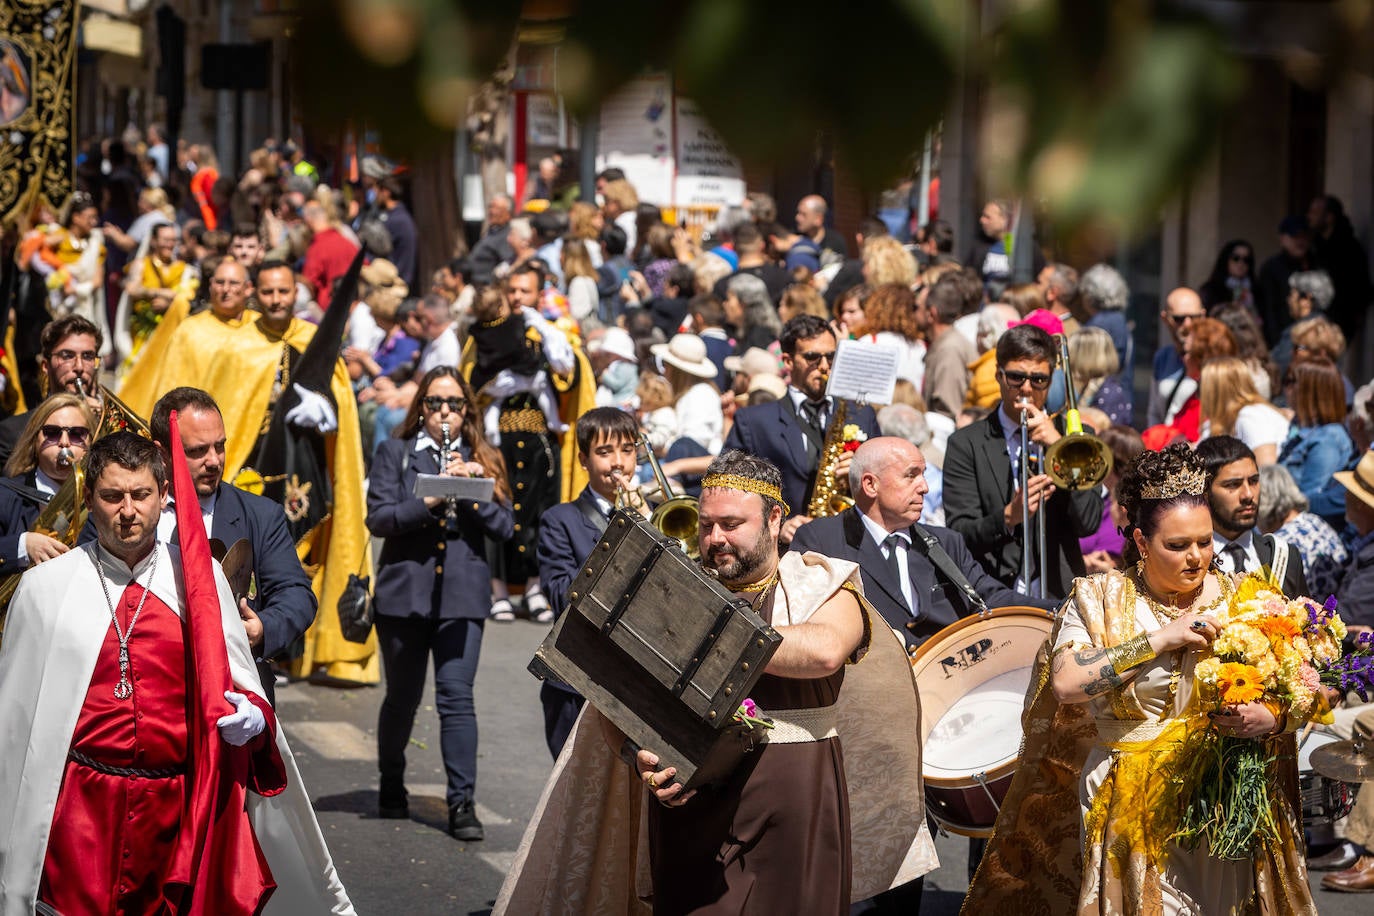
<point x="829" y="810"/>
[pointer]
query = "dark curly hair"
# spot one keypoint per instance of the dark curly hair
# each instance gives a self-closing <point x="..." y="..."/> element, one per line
<point x="1147" y="469"/>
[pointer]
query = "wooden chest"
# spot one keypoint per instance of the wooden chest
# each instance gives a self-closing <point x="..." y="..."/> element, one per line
<point x="661" y="649"/>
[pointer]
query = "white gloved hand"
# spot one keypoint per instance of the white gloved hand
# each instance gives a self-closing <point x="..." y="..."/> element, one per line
<point x="242" y="725"/>
<point x="557" y="350"/>
<point x="313" y="412"/>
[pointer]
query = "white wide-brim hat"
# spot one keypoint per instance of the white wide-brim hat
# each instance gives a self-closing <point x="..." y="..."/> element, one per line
<point x="688" y="353"/>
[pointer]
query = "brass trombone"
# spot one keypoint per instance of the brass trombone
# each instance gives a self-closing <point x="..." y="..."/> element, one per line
<point x="675" y="516"/>
<point x="1078" y="461"/>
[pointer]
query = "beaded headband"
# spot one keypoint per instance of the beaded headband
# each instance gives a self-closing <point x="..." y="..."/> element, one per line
<point x="749" y="485"/>
<point x="1192" y="482"/>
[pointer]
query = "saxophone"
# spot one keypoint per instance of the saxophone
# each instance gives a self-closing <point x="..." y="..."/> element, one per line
<point x="826" y="498"/>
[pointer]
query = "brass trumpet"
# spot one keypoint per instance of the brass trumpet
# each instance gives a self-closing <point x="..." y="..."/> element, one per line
<point x="675" y="516"/>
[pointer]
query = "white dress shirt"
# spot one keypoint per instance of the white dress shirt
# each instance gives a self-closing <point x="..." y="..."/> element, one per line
<point x="1226" y="561"/>
<point x="43" y="484"/>
<point x="879" y="534"/>
<point x="167" y="523"/>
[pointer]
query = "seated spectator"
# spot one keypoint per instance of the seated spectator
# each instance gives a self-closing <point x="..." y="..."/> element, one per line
<point x="1283" y="512"/>
<point x="1232" y="407"/>
<point x="1318" y="443"/>
<point x="893" y="318"/>
<point x="696" y="400"/>
<point x="1205" y="339"/>
<point x="1318" y="337"/>
<point x="800" y="299"/>
<point x="1096" y="375"/>
<point x="1250" y="346"/>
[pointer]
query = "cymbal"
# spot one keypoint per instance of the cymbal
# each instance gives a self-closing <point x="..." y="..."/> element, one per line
<point x="1347" y="761"/>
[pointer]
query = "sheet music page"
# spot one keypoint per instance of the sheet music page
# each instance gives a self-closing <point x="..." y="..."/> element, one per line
<point x="864" y="371"/>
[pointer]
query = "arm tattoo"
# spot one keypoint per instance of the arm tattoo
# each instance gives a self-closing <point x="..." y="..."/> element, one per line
<point x="1107" y="679"/>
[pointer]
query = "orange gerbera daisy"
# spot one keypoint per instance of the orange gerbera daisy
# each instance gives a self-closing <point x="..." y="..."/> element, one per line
<point x="1238" y="683"/>
<point x="1278" y="629"/>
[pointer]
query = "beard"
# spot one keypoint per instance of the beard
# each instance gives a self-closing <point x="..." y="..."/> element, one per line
<point x="740" y="564"/>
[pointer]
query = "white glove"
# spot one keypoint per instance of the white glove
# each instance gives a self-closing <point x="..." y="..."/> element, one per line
<point x="313" y="412"/>
<point x="504" y="384"/>
<point x="242" y="725"/>
<point x="557" y="350"/>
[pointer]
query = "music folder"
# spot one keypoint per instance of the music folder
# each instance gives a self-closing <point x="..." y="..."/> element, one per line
<point x="475" y="489"/>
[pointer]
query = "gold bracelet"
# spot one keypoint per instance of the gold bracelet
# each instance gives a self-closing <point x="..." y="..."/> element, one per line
<point x="1130" y="653"/>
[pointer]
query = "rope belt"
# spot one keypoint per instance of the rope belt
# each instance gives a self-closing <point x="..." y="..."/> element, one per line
<point x="1116" y="731"/>
<point x="135" y="772"/>
<point x="797" y="726"/>
<point x="526" y="420"/>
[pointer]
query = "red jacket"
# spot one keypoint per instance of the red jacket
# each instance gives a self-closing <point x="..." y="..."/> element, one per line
<point x="326" y="260"/>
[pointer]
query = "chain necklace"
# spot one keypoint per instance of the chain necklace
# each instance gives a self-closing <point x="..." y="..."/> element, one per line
<point x="125" y="688"/>
<point x="760" y="585"/>
<point x="1173" y="611"/>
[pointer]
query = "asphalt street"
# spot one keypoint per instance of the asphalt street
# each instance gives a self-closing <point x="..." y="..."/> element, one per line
<point x="413" y="867"/>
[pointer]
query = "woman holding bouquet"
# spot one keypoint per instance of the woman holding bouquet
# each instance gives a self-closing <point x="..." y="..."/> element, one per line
<point x="1113" y="713"/>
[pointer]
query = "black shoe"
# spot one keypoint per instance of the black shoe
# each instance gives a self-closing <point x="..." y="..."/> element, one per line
<point x="391" y="801"/>
<point x="1338" y="858"/>
<point x="463" y="823"/>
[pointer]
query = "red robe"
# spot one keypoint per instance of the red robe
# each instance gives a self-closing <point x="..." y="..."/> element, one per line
<point x="113" y="837"/>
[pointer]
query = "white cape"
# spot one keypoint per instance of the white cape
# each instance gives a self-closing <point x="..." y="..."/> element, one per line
<point x="57" y="623"/>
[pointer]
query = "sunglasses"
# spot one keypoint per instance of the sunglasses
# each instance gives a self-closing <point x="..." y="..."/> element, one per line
<point x="1241" y="259"/>
<point x="433" y="403"/>
<point x="813" y="357"/>
<point x="1179" y="321"/>
<point x="1038" y="381"/>
<point x="77" y="435"/>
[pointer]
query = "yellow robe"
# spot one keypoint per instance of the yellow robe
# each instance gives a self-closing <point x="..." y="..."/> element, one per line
<point x="236" y="362"/>
<point x="139" y="385"/>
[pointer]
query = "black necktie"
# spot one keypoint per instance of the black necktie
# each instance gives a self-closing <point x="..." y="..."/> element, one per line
<point x="894" y="563"/>
<point x="1237" y="555"/>
<point x="813" y="413"/>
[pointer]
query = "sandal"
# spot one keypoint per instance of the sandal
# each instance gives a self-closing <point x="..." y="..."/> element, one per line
<point x="538" y="607"/>
<point x="501" y="611"/>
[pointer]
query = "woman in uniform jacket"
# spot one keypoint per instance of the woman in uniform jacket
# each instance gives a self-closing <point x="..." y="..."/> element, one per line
<point x="431" y="596"/>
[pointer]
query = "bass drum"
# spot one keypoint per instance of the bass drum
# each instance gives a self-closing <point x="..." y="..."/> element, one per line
<point x="973" y="676"/>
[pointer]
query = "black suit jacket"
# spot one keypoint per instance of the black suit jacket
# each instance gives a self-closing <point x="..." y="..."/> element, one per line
<point x="772" y="431"/>
<point x="285" y="602"/>
<point x="17" y="515"/>
<point x="1294" y="579"/>
<point x="978" y="486"/>
<point x="566" y="538"/>
<point x="425" y="570"/>
<point x="11" y="428"/>
<point x="940" y="602"/>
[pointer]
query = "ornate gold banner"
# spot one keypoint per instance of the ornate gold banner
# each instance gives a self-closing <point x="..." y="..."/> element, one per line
<point x="37" y="104"/>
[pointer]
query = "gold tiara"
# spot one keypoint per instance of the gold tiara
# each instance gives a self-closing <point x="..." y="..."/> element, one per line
<point x="749" y="485"/>
<point x="1192" y="482"/>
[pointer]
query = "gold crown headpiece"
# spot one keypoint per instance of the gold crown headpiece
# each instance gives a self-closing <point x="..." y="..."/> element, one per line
<point x="749" y="485"/>
<point x="1192" y="482"/>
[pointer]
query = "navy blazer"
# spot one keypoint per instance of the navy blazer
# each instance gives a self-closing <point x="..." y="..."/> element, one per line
<point x="939" y="601"/>
<point x="17" y="515"/>
<point x="566" y="539"/>
<point x="772" y="431"/>
<point x="978" y="486"/>
<point x="285" y="601"/>
<point x="425" y="571"/>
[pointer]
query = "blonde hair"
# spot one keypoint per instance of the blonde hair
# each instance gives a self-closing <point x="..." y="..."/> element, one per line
<point x="886" y="261"/>
<point x="904" y="392"/>
<point x="577" y="261"/>
<point x="24" y="458"/>
<point x="1093" y="356"/>
<point x="707" y="270"/>
<point x="805" y="300"/>
<point x="621" y="193"/>
<point x="1226" y="385"/>
<point x="654" y="392"/>
<point x="582" y="220"/>
<point x="156" y="199"/>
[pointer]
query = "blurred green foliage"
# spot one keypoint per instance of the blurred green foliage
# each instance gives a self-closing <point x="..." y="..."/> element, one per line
<point x="1096" y="109"/>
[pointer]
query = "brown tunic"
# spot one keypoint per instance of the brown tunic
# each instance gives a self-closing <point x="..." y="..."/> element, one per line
<point x="775" y="837"/>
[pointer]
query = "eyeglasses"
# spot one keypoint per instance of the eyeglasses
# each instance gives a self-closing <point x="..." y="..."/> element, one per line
<point x="71" y="356"/>
<point x="1038" y="380"/>
<point x="814" y="357"/>
<point x="434" y="403"/>
<point x="221" y="281"/>
<point x="1179" y="321"/>
<point x="77" y="435"/>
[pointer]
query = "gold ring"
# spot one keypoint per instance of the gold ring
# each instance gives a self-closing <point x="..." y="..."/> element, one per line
<point x="649" y="778"/>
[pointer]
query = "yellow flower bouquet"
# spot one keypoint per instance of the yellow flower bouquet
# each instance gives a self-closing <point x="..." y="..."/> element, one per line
<point x="1273" y="651"/>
